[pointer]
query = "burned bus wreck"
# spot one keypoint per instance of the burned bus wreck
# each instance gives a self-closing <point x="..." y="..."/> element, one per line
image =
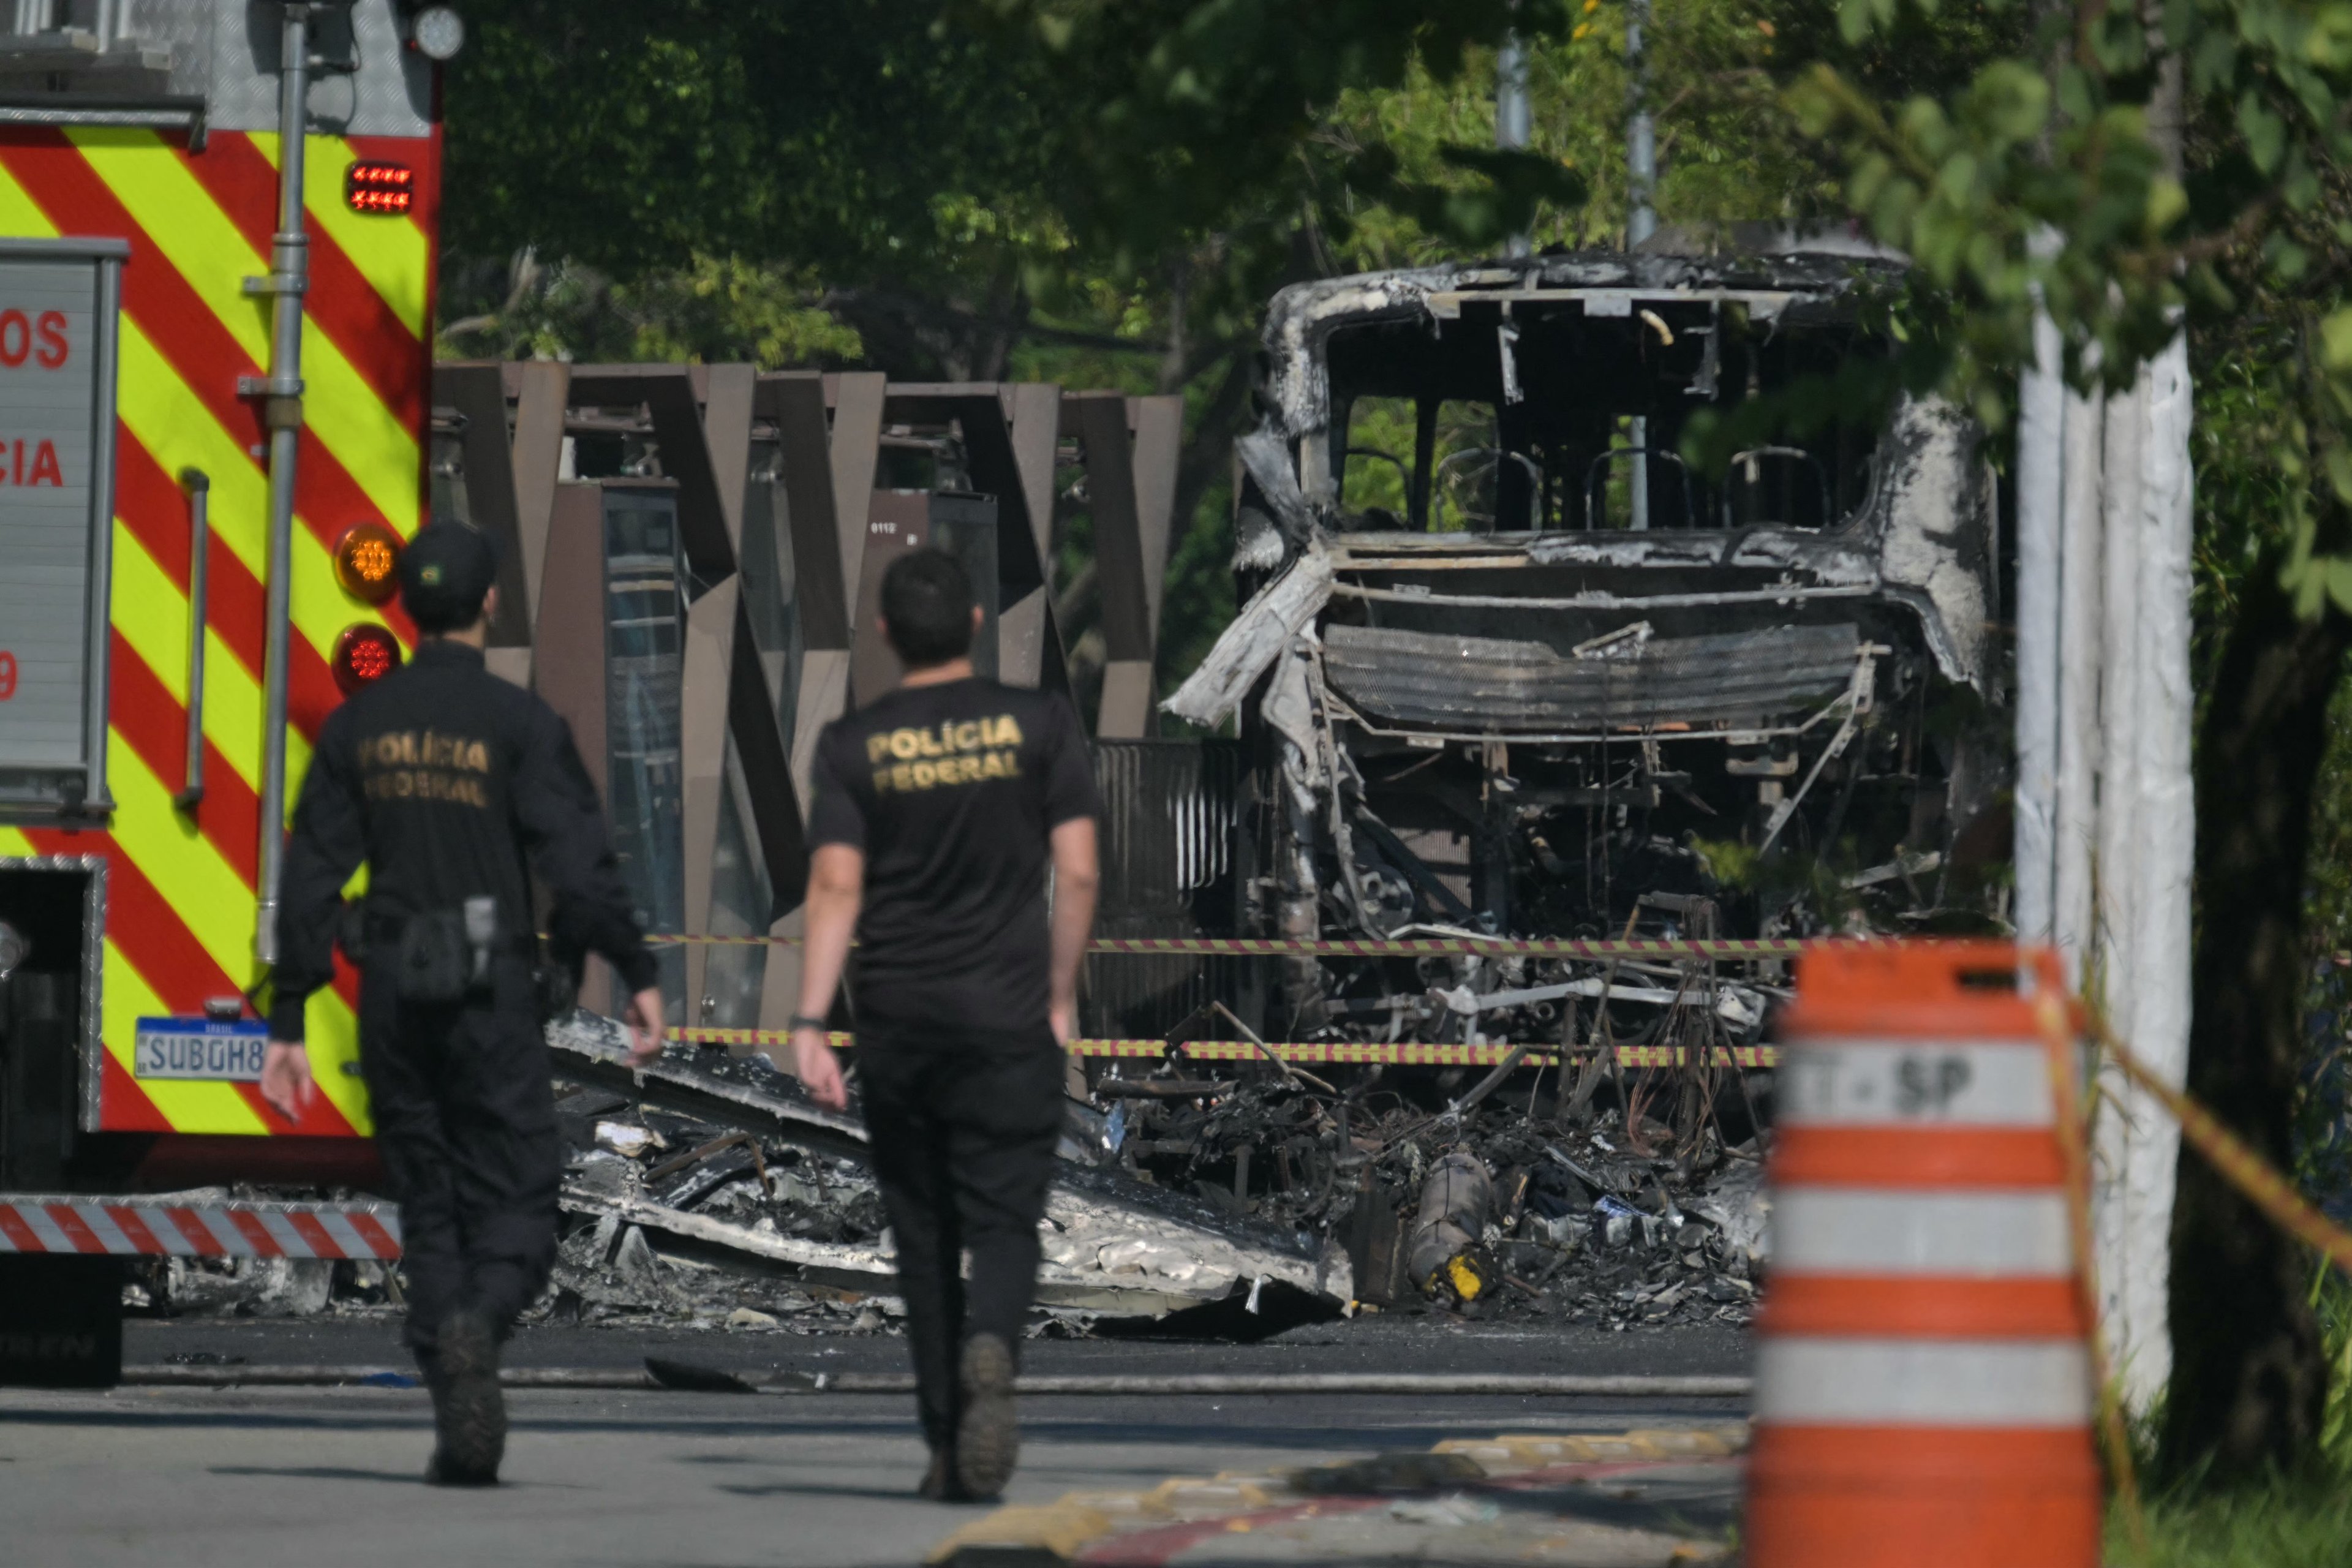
<point x="1510" y="664"/>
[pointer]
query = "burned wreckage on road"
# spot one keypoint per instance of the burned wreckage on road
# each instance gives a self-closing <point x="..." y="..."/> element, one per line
<point x="1511" y="665"/>
<point x="1508" y="664"/>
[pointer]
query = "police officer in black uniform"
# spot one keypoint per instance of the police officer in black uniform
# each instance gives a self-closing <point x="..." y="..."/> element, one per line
<point x="454" y="786"/>
<point x="939" y="812"/>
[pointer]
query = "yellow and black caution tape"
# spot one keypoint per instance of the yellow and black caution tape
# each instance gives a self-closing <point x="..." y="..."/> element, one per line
<point x="1403" y="1053"/>
<point x="1408" y="947"/>
<point x="2057" y="1020"/>
<point x="1418" y="947"/>
<point x="2240" y="1166"/>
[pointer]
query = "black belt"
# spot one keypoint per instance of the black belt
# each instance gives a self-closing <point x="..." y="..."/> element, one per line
<point x="384" y="931"/>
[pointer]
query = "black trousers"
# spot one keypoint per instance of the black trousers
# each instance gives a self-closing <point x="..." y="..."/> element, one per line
<point x="465" y="1122"/>
<point x="963" y="1139"/>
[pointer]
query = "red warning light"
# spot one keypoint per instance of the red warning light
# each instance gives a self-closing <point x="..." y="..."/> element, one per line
<point x="365" y="652"/>
<point x="380" y="187"/>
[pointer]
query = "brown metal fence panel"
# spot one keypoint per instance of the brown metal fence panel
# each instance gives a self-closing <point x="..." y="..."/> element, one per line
<point x="1172" y="813"/>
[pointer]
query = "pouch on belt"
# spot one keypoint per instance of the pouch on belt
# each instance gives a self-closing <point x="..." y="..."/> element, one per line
<point x="444" y="955"/>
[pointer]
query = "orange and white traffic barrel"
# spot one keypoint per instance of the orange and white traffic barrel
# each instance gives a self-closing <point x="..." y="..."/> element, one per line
<point x="1924" y="1393"/>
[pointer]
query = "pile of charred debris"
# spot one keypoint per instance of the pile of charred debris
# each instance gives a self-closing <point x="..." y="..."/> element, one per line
<point x="1559" y="1184"/>
<point x="707" y="1191"/>
<point x="708" y="1188"/>
<point x="1189" y="1203"/>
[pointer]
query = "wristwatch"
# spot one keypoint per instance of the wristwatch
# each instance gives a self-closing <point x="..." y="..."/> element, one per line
<point x="802" y="1021"/>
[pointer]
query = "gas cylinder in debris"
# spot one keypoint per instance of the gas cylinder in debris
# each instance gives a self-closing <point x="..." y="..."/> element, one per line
<point x="1455" y="1200"/>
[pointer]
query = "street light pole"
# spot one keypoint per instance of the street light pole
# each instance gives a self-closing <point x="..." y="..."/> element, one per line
<point x="1511" y="115"/>
<point x="1641" y="132"/>
<point x="1641" y="219"/>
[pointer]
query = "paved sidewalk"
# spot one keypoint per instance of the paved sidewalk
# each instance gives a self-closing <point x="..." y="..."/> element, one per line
<point x="253" y="1479"/>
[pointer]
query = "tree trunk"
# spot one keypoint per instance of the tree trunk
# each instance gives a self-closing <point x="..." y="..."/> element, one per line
<point x="2249" y="1379"/>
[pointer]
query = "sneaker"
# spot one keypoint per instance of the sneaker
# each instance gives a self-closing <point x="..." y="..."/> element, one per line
<point x="988" y="1439"/>
<point x="469" y="1413"/>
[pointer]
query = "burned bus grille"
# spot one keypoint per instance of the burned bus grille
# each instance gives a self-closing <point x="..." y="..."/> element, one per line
<point x="1495" y="685"/>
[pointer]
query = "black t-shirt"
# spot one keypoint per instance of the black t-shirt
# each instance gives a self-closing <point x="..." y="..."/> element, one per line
<point x="951" y="790"/>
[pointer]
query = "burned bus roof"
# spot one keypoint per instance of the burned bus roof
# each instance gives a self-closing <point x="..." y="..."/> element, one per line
<point x="1794" y="289"/>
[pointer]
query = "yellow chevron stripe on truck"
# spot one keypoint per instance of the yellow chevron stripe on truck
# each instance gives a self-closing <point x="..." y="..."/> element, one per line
<point x="182" y="902"/>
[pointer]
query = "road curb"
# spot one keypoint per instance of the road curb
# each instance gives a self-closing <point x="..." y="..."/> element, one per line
<point x="1441" y="1385"/>
<point x="1056" y="1534"/>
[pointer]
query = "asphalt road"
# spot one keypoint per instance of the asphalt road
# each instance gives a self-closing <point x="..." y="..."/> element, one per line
<point x="331" y="1476"/>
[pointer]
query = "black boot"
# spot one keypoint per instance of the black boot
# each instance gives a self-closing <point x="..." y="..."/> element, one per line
<point x="469" y="1414"/>
<point x="988" y="1438"/>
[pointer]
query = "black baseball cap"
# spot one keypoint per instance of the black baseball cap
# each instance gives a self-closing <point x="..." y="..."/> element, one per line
<point x="444" y="572"/>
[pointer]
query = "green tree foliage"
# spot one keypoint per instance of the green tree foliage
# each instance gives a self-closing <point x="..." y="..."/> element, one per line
<point x="2056" y="141"/>
<point x="711" y="309"/>
<point x="1186" y="115"/>
<point x="836" y="136"/>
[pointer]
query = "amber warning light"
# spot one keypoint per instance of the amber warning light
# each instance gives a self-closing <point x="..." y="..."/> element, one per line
<point x="365" y="652"/>
<point x="367" y="561"/>
<point x="380" y="187"/>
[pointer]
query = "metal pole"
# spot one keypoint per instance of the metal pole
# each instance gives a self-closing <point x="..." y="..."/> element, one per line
<point x="1641" y="219"/>
<point x="281" y="394"/>
<point x="106" y="339"/>
<point x="1640" y="133"/>
<point x="2165" y="834"/>
<point x="199" y="487"/>
<point x="2082" y="592"/>
<point x="2041" y="482"/>
<point x="1511" y="114"/>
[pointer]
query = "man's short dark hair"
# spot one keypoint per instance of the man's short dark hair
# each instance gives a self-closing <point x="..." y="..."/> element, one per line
<point x="927" y="604"/>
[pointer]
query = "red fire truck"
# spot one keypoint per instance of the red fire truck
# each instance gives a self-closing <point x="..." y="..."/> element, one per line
<point x="218" y="237"/>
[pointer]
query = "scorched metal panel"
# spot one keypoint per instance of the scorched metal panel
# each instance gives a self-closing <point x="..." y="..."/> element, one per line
<point x="1496" y="685"/>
